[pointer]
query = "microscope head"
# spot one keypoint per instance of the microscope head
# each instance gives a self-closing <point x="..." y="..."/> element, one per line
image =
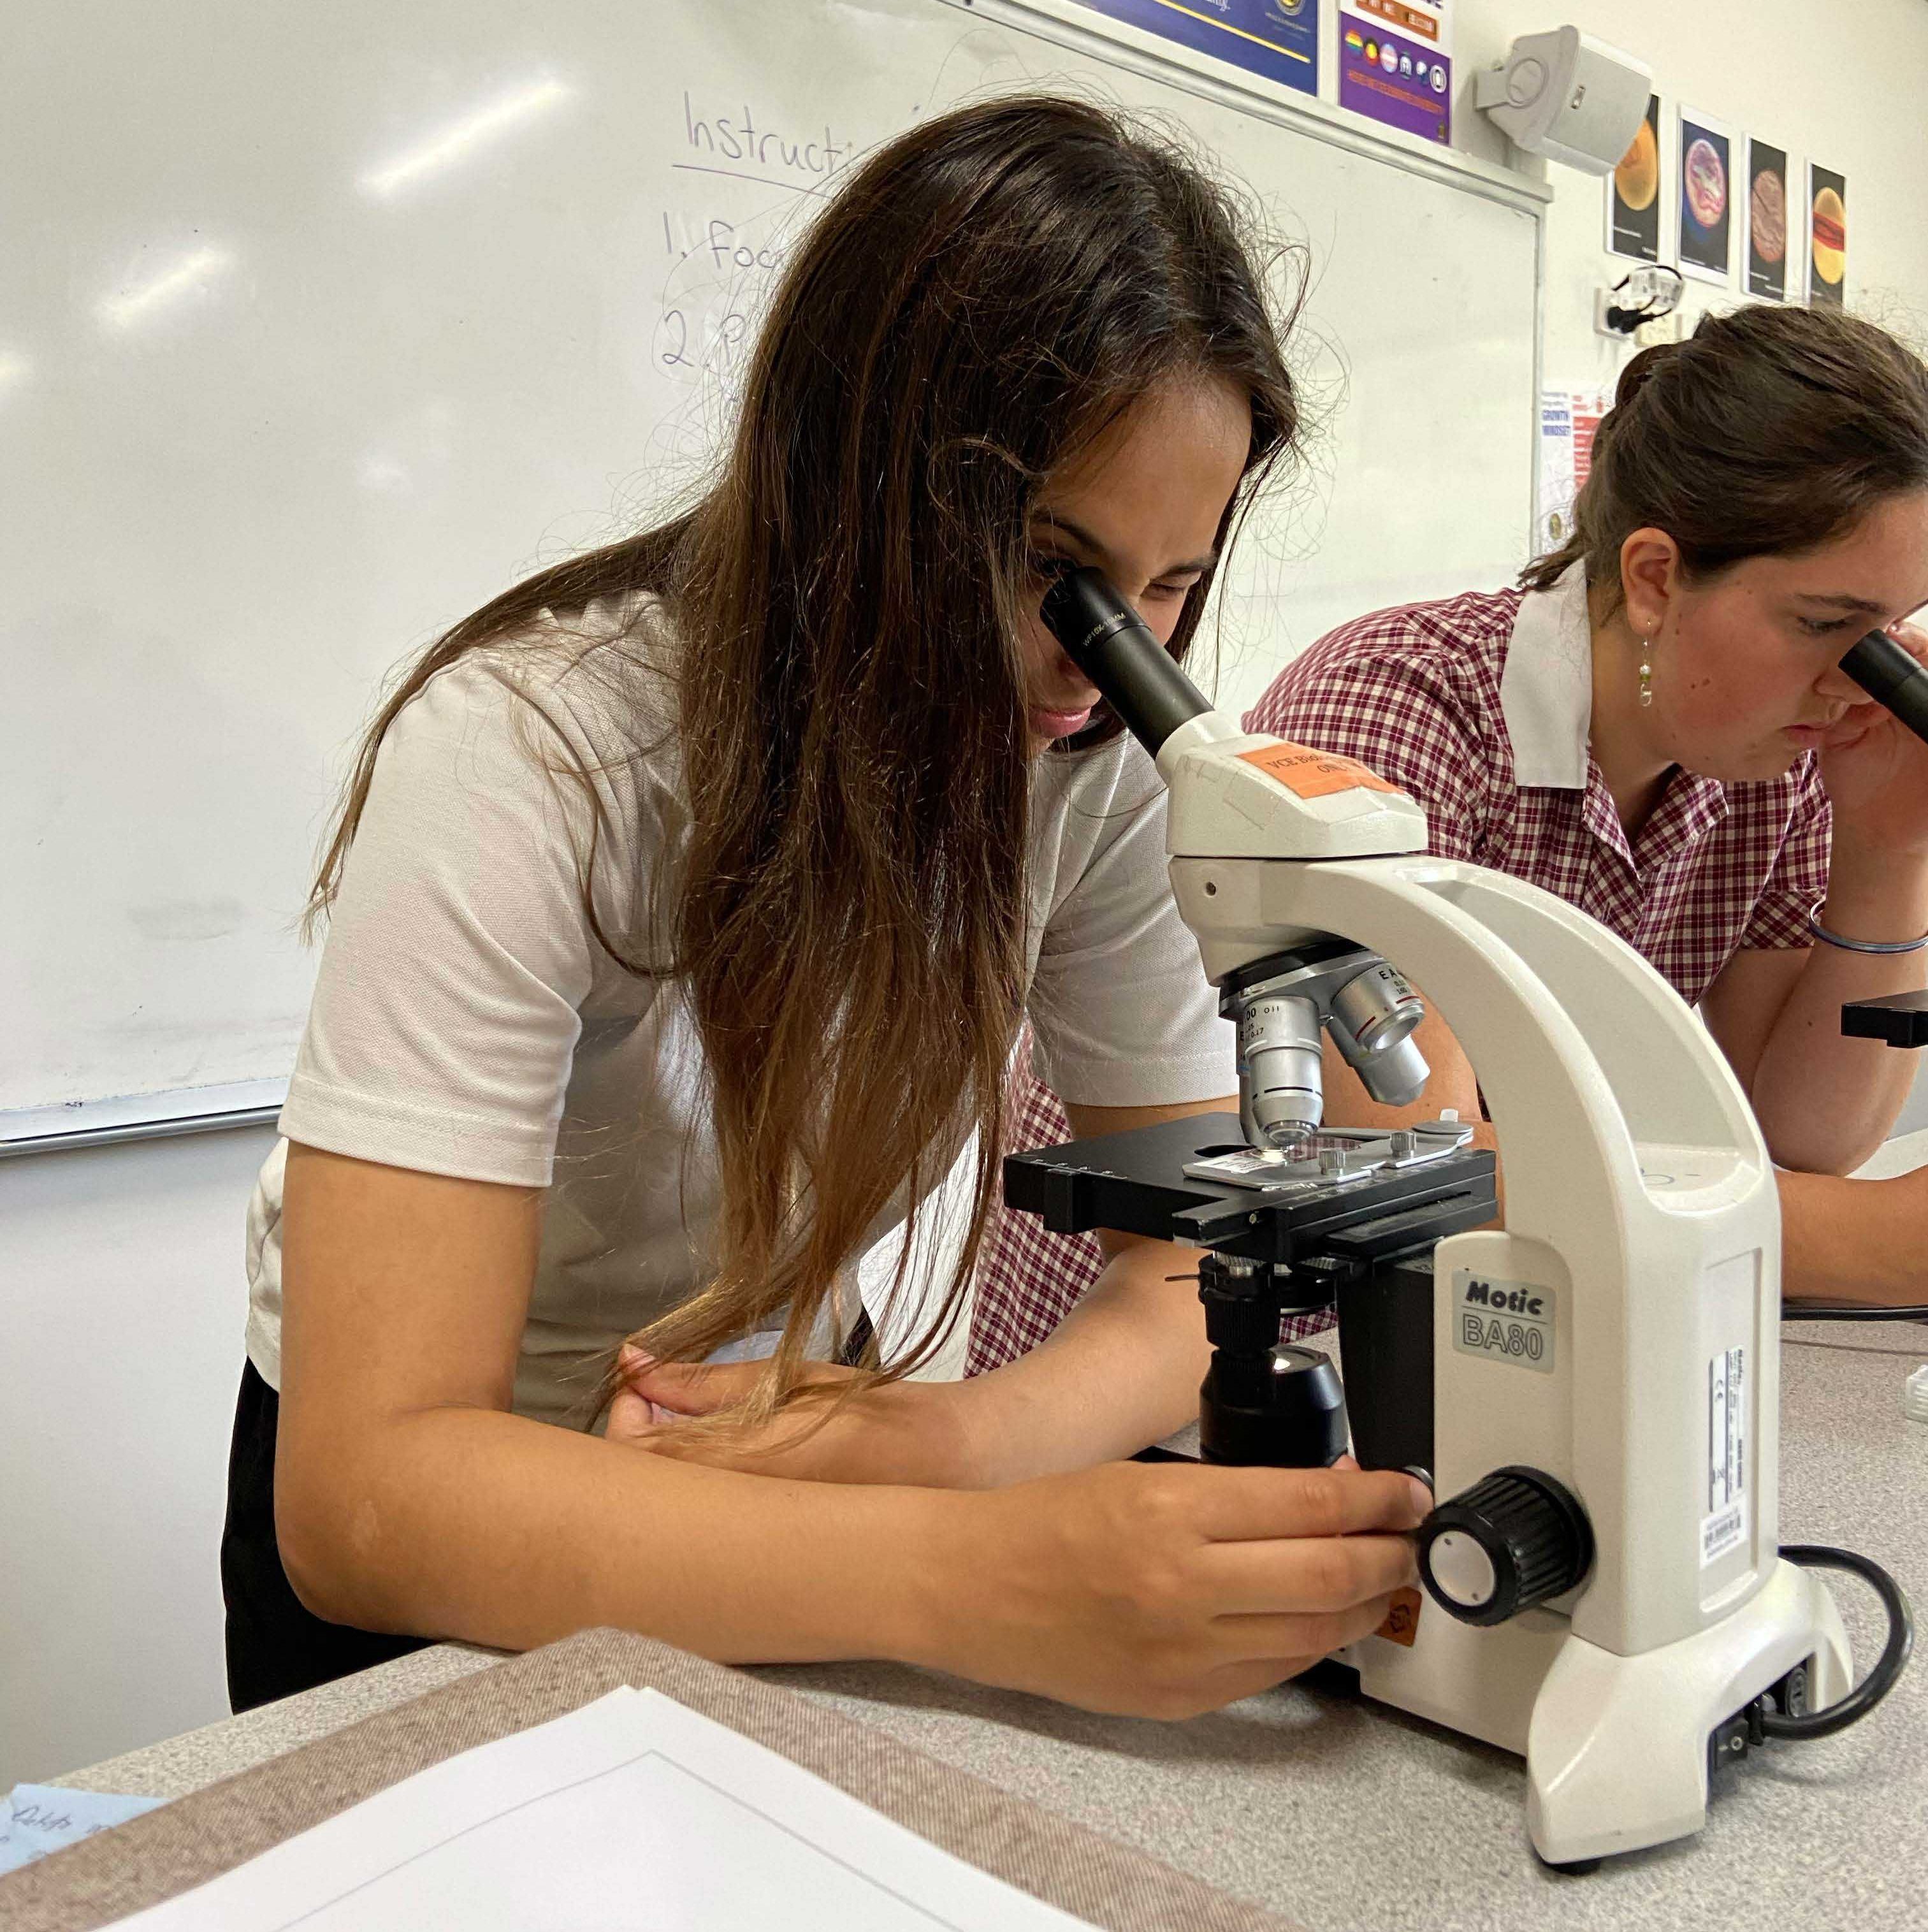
<point x="1235" y="794"/>
<point x="1238" y="794"/>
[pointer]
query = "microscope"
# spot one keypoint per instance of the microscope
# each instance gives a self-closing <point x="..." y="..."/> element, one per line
<point x="1593" y="1391"/>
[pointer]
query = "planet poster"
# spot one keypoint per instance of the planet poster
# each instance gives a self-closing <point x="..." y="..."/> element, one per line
<point x="1633" y="192"/>
<point x="1706" y="197"/>
<point x="1827" y="236"/>
<point x="1767" y="221"/>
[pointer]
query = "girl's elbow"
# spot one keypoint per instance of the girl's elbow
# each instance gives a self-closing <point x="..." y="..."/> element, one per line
<point x="329" y="1532"/>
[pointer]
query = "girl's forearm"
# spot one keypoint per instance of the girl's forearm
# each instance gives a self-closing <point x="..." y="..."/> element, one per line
<point x="473" y="1524"/>
<point x="1121" y="1371"/>
<point x="1864" y="1241"/>
<point x="1825" y="1101"/>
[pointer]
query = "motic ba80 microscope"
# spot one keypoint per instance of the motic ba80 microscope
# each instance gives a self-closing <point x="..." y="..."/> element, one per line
<point x="1607" y="1589"/>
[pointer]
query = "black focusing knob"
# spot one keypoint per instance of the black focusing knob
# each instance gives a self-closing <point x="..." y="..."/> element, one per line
<point x="1514" y="1539"/>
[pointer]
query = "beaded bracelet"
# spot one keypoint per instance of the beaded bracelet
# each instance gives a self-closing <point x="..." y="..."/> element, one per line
<point x="1820" y="931"/>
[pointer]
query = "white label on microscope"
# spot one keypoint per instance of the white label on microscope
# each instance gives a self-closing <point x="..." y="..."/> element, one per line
<point x="1724" y="1525"/>
<point x="1509" y="1321"/>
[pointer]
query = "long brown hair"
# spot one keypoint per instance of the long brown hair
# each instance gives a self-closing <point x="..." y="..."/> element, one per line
<point x="982" y="299"/>
<point x="1768" y="431"/>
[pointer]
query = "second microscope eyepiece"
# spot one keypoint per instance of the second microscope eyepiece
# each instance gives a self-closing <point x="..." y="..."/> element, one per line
<point x="1885" y="671"/>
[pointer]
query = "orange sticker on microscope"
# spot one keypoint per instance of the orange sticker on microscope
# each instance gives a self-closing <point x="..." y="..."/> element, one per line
<point x="1402" y="1621"/>
<point x="1313" y="774"/>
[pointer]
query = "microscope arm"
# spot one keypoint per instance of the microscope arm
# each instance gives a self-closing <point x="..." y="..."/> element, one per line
<point x="1640" y="1194"/>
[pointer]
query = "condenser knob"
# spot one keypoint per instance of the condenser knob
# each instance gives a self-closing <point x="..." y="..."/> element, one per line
<point x="1514" y="1539"/>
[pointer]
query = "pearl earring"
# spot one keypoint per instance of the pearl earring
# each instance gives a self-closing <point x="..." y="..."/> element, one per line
<point x="1646" y="672"/>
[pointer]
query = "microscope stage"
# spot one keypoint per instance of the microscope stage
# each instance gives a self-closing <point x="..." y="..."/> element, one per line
<point x="1148" y="1181"/>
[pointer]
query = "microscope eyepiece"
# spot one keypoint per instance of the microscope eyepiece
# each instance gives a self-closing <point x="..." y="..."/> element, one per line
<point x="1887" y="672"/>
<point x="1108" y="641"/>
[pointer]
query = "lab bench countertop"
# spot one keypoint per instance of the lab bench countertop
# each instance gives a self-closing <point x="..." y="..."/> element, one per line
<point x="1348" y="1816"/>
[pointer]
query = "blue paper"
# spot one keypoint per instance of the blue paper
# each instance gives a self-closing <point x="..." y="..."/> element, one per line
<point x="37" y="1819"/>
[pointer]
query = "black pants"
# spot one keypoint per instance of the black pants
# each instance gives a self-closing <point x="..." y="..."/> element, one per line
<point x="275" y="1646"/>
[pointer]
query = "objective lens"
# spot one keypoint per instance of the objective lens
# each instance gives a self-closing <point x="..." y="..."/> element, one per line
<point x="1373" y="1017"/>
<point x="1395" y="1077"/>
<point x="1377" y="1007"/>
<point x="1282" y="1094"/>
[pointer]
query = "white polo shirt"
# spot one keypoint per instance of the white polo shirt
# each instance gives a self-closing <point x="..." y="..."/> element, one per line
<point x="467" y="1021"/>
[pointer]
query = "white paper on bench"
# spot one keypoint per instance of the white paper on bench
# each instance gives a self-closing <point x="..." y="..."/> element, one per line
<point x="632" y="1811"/>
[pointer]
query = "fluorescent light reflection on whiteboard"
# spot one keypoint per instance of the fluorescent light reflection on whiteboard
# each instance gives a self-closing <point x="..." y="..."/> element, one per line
<point x="188" y="276"/>
<point x="15" y="368"/>
<point x="462" y="138"/>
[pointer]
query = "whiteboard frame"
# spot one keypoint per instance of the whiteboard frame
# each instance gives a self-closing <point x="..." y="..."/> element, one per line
<point x="1063" y="23"/>
<point x="140" y="1117"/>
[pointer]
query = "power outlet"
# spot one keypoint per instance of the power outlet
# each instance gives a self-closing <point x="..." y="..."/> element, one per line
<point x="1603" y="300"/>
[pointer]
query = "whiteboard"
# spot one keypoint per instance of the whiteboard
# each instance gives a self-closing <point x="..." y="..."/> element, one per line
<point x="321" y="324"/>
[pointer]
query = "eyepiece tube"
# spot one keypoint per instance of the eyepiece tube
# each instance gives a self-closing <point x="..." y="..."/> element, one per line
<point x="1108" y="640"/>
<point x="1885" y="671"/>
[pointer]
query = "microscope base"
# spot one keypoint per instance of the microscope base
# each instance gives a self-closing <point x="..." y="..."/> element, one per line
<point x="1616" y="1756"/>
<point x="1616" y="1747"/>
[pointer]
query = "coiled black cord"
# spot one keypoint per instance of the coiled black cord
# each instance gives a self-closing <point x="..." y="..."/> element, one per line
<point x="1889" y="1665"/>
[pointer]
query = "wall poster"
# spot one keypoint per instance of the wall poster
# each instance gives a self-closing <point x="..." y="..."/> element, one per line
<point x="1706" y="198"/>
<point x="1279" y="39"/>
<point x="1633" y="192"/>
<point x="1828" y="231"/>
<point x="1767" y="221"/>
<point x="1395" y="63"/>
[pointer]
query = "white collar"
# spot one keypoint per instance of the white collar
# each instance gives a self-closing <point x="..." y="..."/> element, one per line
<point x="1546" y="686"/>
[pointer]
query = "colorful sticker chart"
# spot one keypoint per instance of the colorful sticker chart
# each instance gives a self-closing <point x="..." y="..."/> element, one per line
<point x="1767" y="221"/>
<point x="1827" y="236"/>
<point x="1278" y="39"/>
<point x="1633" y="192"/>
<point x="1395" y="63"/>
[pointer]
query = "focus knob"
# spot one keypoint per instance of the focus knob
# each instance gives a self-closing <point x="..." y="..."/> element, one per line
<point x="1514" y="1539"/>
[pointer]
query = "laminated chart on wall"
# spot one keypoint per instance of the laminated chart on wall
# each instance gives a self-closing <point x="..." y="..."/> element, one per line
<point x="1395" y="63"/>
<point x="1279" y="39"/>
<point x="1569" y="419"/>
